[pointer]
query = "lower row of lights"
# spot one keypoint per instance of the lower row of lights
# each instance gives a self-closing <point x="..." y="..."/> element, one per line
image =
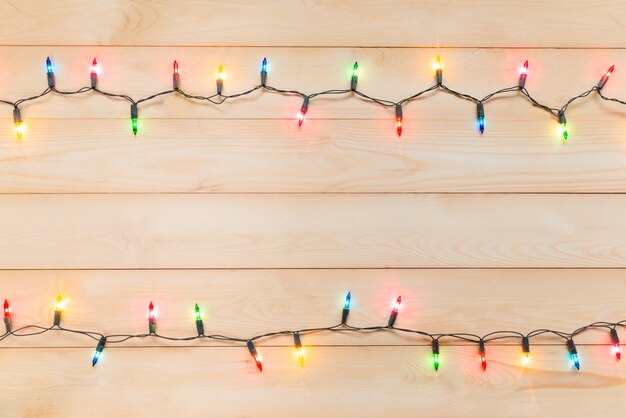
<point x="152" y="323"/>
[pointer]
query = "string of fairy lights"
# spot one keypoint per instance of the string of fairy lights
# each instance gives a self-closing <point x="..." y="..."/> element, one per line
<point x="297" y="334"/>
<point x="220" y="97"/>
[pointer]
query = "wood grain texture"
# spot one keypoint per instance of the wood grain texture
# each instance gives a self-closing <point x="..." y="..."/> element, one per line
<point x="560" y="23"/>
<point x="244" y="303"/>
<point x="333" y="156"/>
<point x="339" y="381"/>
<point x="311" y="231"/>
<point x="554" y="77"/>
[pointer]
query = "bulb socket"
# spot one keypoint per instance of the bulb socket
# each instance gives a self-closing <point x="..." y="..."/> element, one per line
<point x="614" y="336"/>
<point x="133" y="111"/>
<point x="398" y="111"/>
<point x="522" y="81"/>
<point x="297" y="341"/>
<point x="439" y="74"/>
<point x="602" y="82"/>
<point x="480" y="110"/>
<point x="152" y="325"/>
<point x="176" y="81"/>
<point x="50" y="77"/>
<point x="101" y="344"/>
<point x="220" y="86"/>
<point x="263" y="78"/>
<point x="94" y="80"/>
<point x="562" y="119"/>
<point x="435" y="346"/>
<point x="392" y="318"/>
<point x="7" y="324"/>
<point x="344" y="315"/>
<point x="571" y="347"/>
<point x="17" y="117"/>
<point x="200" y="326"/>
<point x="252" y="348"/>
<point x="305" y="105"/>
<point x="353" y="82"/>
<point x="57" y="318"/>
<point x="525" y="345"/>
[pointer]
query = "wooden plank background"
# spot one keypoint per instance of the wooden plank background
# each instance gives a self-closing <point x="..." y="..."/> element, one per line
<point x="267" y="226"/>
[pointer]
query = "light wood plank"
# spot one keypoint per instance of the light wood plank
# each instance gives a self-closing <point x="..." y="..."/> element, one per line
<point x="244" y="303"/>
<point x="311" y="231"/>
<point x="559" y="23"/>
<point x="367" y="382"/>
<point x="267" y="156"/>
<point x="393" y="74"/>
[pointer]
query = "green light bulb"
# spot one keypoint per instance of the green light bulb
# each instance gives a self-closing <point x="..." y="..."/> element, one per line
<point x="436" y="361"/>
<point x="134" y="125"/>
<point x="198" y="315"/>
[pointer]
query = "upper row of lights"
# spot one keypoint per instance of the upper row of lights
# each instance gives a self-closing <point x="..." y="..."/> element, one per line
<point x="19" y="125"/>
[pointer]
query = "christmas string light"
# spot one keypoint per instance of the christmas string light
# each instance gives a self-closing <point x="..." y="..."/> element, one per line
<point x="434" y="338"/>
<point x="219" y="97"/>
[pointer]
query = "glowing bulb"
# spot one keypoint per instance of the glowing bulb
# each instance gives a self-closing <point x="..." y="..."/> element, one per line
<point x="605" y="77"/>
<point x="573" y="353"/>
<point x="299" y="349"/>
<point x="399" y="119"/>
<point x="522" y="75"/>
<point x="133" y="118"/>
<point x="438" y="71"/>
<point x="98" y="353"/>
<point x="220" y="79"/>
<point x="7" y="316"/>
<point x="303" y="109"/>
<point x="524" y="69"/>
<point x="355" y="76"/>
<point x="255" y="355"/>
<point x="17" y="121"/>
<point x="480" y="110"/>
<point x="346" y="309"/>
<point x="151" y="319"/>
<point x="562" y="124"/>
<point x="58" y="310"/>
<point x="199" y="323"/>
<point x="49" y="73"/>
<point x="264" y="72"/>
<point x="175" y="77"/>
<point x="482" y="355"/>
<point x="394" y="311"/>
<point x="615" y="346"/>
<point x="526" y="351"/>
<point x="436" y="354"/>
<point x="94" y="73"/>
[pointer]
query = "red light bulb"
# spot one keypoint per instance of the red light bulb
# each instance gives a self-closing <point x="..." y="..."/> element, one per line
<point x="175" y="77"/>
<point x="394" y="311"/>
<point x="522" y="75"/>
<point x="255" y="355"/>
<point x="94" y="73"/>
<point x="151" y="319"/>
<point x="7" y="316"/>
<point x="525" y="69"/>
<point x="303" y="109"/>
<point x="605" y="77"/>
<point x="399" y="119"/>
<point x="615" y="342"/>
<point x="608" y="73"/>
<point x="481" y="352"/>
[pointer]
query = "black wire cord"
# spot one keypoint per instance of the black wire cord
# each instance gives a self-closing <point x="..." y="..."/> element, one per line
<point x="218" y="99"/>
<point x="32" y="330"/>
